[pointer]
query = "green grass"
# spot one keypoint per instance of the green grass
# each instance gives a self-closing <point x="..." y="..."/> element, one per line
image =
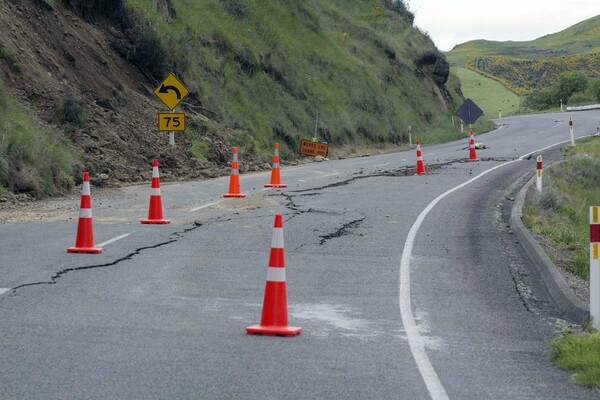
<point x="579" y="353"/>
<point x="250" y="62"/>
<point x="561" y="212"/>
<point x="490" y="95"/>
<point x="33" y="159"/>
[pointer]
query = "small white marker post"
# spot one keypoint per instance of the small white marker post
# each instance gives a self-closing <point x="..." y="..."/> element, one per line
<point x="500" y="114"/>
<point x="410" y="136"/>
<point x="595" y="266"/>
<point x="561" y="108"/>
<point x="539" y="174"/>
<point x="571" y="131"/>
<point x="462" y="126"/>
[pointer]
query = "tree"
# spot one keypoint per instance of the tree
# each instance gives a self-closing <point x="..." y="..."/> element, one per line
<point x="595" y="89"/>
<point x="572" y="82"/>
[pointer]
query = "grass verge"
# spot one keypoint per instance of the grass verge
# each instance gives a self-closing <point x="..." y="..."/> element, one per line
<point x="561" y="215"/>
<point x="579" y="353"/>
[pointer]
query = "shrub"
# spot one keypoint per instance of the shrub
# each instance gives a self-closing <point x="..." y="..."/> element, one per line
<point x="73" y="111"/>
<point x="595" y="89"/>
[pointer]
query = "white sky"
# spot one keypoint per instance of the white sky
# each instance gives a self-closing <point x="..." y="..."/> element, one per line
<point x="451" y="22"/>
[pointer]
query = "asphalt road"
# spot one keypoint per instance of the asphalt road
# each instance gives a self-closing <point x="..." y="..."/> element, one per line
<point x="407" y="287"/>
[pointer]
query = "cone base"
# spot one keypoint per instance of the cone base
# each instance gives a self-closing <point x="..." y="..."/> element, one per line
<point x="155" y="221"/>
<point x="238" y="195"/>
<point x="419" y="173"/>
<point x="473" y="159"/>
<point x="273" y="330"/>
<point x="88" y="250"/>
<point x="275" y="185"/>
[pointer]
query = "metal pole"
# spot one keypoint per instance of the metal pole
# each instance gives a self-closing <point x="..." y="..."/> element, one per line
<point x="172" y="134"/>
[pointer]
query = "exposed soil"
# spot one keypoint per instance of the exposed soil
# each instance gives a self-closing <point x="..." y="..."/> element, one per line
<point x="60" y="57"/>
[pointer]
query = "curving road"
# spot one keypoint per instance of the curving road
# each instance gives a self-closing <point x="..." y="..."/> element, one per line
<point x="407" y="287"/>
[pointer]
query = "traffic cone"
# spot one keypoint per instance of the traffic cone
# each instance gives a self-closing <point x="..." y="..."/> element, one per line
<point x="275" y="174"/>
<point x="85" y="230"/>
<point x="420" y="163"/>
<point x="234" y="179"/>
<point x="472" y="151"/>
<point x="274" y="320"/>
<point x="155" y="212"/>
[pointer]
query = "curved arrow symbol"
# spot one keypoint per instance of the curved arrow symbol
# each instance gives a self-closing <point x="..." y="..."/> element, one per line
<point x="165" y="89"/>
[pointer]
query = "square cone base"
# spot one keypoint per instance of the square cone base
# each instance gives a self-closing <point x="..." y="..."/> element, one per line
<point x="238" y="195"/>
<point x="273" y="330"/>
<point x="88" y="250"/>
<point x="156" y="221"/>
<point x="275" y="185"/>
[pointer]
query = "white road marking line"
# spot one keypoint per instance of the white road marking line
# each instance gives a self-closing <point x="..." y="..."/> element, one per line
<point x="334" y="174"/>
<point x="381" y="165"/>
<point x="416" y="343"/>
<point x="3" y="290"/>
<point x="301" y="180"/>
<point x="204" y="206"/>
<point x="113" y="240"/>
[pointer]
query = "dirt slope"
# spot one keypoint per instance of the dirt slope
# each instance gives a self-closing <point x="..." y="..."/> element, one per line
<point x="62" y="57"/>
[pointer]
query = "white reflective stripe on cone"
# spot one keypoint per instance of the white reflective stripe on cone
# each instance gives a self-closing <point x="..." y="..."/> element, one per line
<point x="276" y="165"/>
<point x="277" y="241"/>
<point x="155" y="172"/>
<point x="85" y="213"/>
<point x="276" y="275"/>
<point x="235" y="172"/>
<point x="85" y="189"/>
<point x="276" y="152"/>
<point x="155" y="192"/>
<point x="235" y="157"/>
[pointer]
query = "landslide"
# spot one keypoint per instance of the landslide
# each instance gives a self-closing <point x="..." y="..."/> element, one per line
<point x="258" y="71"/>
<point x="64" y="61"/>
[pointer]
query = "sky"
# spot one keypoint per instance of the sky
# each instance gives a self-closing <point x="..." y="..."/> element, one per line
<point x="451" y="22"/>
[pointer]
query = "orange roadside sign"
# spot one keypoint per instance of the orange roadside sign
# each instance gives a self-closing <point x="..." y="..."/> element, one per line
<point x="310" y="148"/>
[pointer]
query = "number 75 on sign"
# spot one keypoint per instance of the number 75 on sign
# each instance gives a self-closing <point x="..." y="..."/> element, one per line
<point x="171" y="122"/>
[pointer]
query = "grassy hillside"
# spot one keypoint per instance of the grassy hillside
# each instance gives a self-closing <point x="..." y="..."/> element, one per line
<point x="490" y="95"/>
<point x="521" y="67"/>
<point x="272" y="68"/>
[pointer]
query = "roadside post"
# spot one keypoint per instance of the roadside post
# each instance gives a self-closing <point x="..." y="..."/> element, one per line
<point x="595" y="266"/>
<point x="410" y="136"/>
<point x="539" y="174"/>
<point x="571" y="131"/>
<point x="500" y="113"/>
<point x="171" y="92"/>
<point x="561" y="106"/>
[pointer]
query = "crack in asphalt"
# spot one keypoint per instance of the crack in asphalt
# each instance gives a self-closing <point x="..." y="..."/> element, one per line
<point x="175" y="236"/>
<point x="346" y="229"/>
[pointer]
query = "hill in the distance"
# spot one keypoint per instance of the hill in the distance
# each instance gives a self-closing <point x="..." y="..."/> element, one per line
<point x="521" y="67"/>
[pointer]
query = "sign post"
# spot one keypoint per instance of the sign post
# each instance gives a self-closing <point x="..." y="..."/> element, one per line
<point x="571" y="131"/>
<point x="595" y="266"/>
<point x="171" y="92"/>
<point x="539" y="174"/>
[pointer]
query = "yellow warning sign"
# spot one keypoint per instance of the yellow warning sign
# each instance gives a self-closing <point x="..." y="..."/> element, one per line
<point x="171" y="91"/>
<point x="171" y="122"/>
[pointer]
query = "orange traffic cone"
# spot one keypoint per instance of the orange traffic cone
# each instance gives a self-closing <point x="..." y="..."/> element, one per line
<point x="85" y="230"/>
<point x="472" y="151"/>
<point x="234" y="179"/>
<point x="155" y="212"/>
<point x="420" y="163"/>
<point x="274" y="320"/>
<point x="275" y="174"/>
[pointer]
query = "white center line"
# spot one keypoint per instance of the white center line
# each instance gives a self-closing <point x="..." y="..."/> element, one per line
<point x="381" y="165"/>
<point x="204" y="206"/>
<point x="113" y="240"/>
<point x="416" y="343"/>
<point x="3" y="290"/>
<point x="334" y="174"/>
